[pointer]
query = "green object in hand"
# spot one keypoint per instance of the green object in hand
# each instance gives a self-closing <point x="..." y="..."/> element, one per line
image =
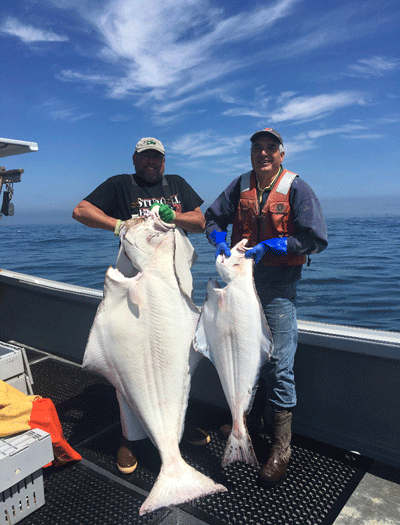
<point x="165" y="212"/>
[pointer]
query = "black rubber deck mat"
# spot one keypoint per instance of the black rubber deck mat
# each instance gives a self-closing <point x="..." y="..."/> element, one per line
<point x="75" y="496"/>
<point x="86" y="403"/>
<point x="317" y="485"/>
<point x="320" y="478"/>
<point x="102" y="451"/>
<point x="319" y="481"/>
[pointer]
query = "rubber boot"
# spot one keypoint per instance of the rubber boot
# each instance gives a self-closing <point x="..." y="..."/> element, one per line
<point x="275" y="468"/>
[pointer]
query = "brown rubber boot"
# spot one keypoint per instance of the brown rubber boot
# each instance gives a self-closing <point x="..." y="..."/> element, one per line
<point x="275" y="468"/>
<point x="126" y="461"/>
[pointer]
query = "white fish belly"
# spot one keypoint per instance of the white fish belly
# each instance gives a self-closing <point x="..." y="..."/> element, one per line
<point x="234" y="331"/>
<point x="144" y="349"/>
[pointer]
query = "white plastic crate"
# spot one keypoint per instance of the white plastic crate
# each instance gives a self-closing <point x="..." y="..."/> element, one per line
<point x="14" y="367"/>
<point x="22" y="457"/>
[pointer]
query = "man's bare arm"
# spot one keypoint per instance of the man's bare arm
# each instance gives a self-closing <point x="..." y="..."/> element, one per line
<point x="92" y="216"/>
<point x="191" y="221"/>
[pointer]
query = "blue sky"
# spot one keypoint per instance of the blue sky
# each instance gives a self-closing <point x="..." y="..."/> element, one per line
<point x="87" y="80"/>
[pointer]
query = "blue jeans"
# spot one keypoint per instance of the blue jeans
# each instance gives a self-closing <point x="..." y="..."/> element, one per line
<point x="279" y="305"/>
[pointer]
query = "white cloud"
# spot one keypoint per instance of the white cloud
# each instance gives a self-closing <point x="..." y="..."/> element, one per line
<point x="289" y="107"/>
<point x="169" y="106"/>
<point x="208" y="144"/>
<point x="60" y="110"/>
<point x="373" y="67"/>
<point x="367" y="136"/>
<point x="168" y="55"/>
<point x="387" y="120"/>
<point x="29" y="34"/>
<point x="234" y="150"/>
<point x="173" y="45"/>
<point x="343" y="23"/>
<point x="313" y="107"/>
<point x="317" y="133"/>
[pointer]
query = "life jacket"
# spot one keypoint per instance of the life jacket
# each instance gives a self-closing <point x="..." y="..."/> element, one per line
<point x="275" y="219"/>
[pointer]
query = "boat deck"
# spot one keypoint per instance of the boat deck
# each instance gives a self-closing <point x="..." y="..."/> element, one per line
<point x="324" y="486"/>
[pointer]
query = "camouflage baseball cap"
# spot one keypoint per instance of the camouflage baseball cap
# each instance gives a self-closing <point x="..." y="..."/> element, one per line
<point x="149" y="143"/>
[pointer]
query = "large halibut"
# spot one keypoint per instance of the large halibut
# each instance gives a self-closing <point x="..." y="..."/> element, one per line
<point x="234" y="334"/>
<point x="141" y="342"/>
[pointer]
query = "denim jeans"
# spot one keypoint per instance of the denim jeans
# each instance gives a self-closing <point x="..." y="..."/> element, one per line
<point x="279" y="305"/>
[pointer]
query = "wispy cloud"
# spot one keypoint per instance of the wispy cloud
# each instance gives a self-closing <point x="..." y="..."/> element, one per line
<point x="346" y="129"/>
<point x="207" y="144"/>
<point x="309" y="140"/>
<point x="226" y="149"/>
<point x="367" y="136"/>
<point x="219" y="93"/>
<point x="177" y="46"/>
<point x="313" y="107"/>
<point x="287" y="106"/>
<point x="344" y="23"/>
<point x="171" y="55"/>
<point x="29" y="34"/>
<point x="373" y="67"/>
<point x="59" y="110"/>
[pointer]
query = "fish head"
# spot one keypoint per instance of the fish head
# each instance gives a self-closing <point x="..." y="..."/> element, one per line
<point x="236" y="266"/>
<point x="147" y="239"/>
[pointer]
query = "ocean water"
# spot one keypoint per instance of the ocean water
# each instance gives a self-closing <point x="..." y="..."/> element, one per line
<point x="355" y="281"/>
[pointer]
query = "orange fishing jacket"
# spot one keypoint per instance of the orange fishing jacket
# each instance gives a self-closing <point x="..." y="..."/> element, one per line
<point x="274" y="220"/>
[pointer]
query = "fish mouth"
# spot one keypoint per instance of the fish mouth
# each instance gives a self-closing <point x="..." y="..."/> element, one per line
<point x="241" y="246"/>
<point x="158" y="223"/>
<point x="159" y="227"/>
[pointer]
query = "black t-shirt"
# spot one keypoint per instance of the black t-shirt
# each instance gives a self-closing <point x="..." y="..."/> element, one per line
<point x="116" y="195"/>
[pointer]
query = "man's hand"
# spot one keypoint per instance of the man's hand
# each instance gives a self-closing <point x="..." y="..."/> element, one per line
<point x="219" y="239"/>
<point x="165" y="212"/>
<point x="122" y="227"/>
<point x="276" y="246"/>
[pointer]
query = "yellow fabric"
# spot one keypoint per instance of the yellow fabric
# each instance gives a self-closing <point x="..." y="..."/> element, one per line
<point x="15" y="410"/>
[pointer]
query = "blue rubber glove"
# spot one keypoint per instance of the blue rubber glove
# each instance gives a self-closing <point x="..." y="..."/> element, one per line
<point x="166" y="213"/>
<point x="219" y="239"/>
<point x="276" y="246"/>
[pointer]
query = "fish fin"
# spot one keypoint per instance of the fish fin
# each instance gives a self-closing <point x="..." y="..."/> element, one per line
<point x="214" y="290"/>
<point x="93" y="358"/>
<point x="239" y="448"/>
<point x="134" y="292"/>
<point x="180" y="486"/>
<point x="212" y="284"/>
<point x="200" y="340"/>
<point x="200" y="343"/>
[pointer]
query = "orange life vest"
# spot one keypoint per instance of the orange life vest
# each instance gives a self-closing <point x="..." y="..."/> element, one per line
<point x="275" y="219"/>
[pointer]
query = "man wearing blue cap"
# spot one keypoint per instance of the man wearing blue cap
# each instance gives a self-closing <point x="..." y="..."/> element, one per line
<point x="282" y="219"/>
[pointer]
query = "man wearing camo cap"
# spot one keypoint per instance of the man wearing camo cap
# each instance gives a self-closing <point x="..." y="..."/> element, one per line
<point x="123" y="197"/>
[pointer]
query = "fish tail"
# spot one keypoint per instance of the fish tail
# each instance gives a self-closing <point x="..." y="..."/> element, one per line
<point x="239" y="448"/>
<point x="183" y="484"/>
